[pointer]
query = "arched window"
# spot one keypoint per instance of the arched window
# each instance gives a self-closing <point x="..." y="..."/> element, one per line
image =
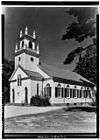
<point x="74" y="92"/>
<point x="13" y="95"/>
<point x="71" y="93"/>
<point x="22" y="44"/>
<point x="26" y="95"/>
<point x="67" y="92"/>
<point x="47" y="90"/>
<point x="19" y="58"/>
<point x="88" y="93"/>
<point x="19" y="80"/>
<point x="58" y="92"/>
<point x="84" y="94"/>
<point x="78" y="93"/>
<point x="30" y="44"/>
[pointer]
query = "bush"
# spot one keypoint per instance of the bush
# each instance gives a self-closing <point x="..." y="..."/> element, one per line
<point x="93" y="103"/>
<point x="39" y="101"/>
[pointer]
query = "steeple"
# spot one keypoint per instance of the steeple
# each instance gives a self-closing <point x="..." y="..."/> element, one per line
<point x="20" y="33"/>
<point x="26" y="31"/>
<point x="27" y="51"/>
<point x="34" y="34"/>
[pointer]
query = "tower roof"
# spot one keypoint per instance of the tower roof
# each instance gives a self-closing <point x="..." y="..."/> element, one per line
<point x="27" y="37"/>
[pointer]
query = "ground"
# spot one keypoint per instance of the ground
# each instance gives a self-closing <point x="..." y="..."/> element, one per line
<point x="56" y="121"/>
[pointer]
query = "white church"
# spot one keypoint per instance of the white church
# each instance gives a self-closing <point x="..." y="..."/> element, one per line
<point x="31" y="78"/>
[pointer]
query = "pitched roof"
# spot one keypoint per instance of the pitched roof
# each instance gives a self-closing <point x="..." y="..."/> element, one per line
<point x="54" y="72"/>
<point x="61" y="73"/>
<point x="32" y="75"/>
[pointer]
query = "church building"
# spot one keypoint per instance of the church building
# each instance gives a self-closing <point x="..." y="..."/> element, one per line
<point x="31" y="77"/>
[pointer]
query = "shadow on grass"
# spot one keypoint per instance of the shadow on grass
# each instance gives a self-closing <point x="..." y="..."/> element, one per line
<point x="82" y="108"/>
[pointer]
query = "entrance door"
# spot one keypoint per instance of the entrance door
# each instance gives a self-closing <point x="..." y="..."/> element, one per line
<point x="26" y="95"/>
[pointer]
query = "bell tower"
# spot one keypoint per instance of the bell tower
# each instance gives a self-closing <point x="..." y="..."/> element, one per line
<point x="27" y="51"/>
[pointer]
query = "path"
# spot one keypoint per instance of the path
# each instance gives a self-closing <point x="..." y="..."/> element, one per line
<point x="12" y="111"/>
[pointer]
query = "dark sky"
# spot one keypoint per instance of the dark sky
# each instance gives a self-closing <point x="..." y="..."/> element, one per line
<point x="50" y="24"/>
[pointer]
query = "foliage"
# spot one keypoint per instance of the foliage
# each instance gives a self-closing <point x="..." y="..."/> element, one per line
<point x="8" y="67"/>
<point x="39" y="101"/>
<point x="82" y="28"/>
<point x="72" y="55"/>
<point x="87" y="64"/>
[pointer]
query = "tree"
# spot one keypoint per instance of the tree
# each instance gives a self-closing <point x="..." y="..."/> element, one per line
<point x="82" y="28"/>
<point x="8" y="67"/>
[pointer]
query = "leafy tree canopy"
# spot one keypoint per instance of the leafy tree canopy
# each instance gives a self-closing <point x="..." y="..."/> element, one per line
<point x="82" y="28"/>
<point x="8" y="67"/>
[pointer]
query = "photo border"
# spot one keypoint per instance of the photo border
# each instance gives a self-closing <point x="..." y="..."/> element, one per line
<point x="50" y="135"/>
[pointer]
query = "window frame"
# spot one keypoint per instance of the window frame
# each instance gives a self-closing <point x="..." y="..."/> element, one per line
<point x="30" y="43"/>
<point x="59" y="94"/>
<point x="67" y="92"/>
<point x="75" y="90"/>
<point x="19" y="82"/>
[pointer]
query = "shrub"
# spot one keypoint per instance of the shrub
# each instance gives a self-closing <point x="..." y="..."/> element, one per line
<point x="39" y="101"/>
<point x="93" y="103"/>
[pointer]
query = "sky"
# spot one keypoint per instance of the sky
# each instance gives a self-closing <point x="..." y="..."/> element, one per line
<point x="50" y="24"/>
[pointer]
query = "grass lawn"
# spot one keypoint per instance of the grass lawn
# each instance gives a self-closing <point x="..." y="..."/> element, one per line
<point x="59" y="121"/>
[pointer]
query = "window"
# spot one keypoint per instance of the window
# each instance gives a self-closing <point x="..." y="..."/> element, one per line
<point x="37" y="89"/>
<point x="88" y="94"/>
<point x="22" y="44"/>
<point x="67" y="92"/>
<point x="63" y="92"/>
<point x="85" y="93"/>
<point x="26" y="95"/>
<point x="58" y="91"/>
<point x="74" y="93"/>
<point x="19" y="59"/>
<point x="47" y="90"/>
<point x="71" y="93"/>
<point x="78" y="93"/>
<point x="30" y="44"/>
<point x="32" y="59"/>
<point x="19" y="80"/>
<point x="13" y="95"/>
